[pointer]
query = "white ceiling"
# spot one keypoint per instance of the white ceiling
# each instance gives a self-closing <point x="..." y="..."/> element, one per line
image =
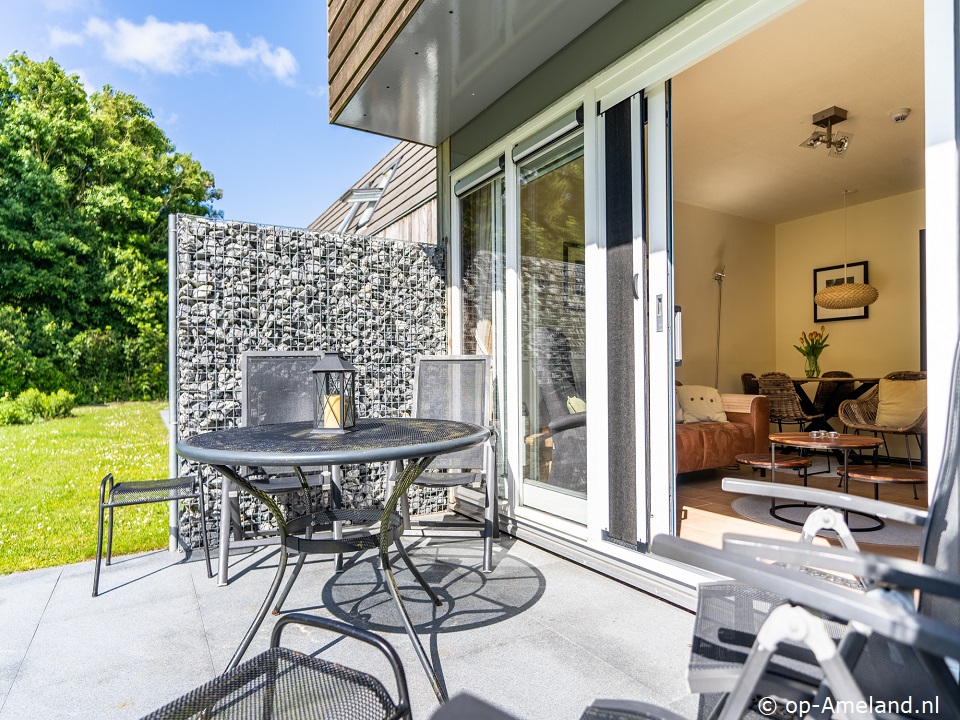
<point x="739" y="116"/>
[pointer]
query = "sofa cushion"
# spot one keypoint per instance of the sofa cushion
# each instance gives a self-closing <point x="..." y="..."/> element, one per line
<point x="901" y="402"/>
<point x="700" y="403"/>
<point x="576" y="404"/>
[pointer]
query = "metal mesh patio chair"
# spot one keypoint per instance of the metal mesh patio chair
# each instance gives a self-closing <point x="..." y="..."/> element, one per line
<point x="145" y="492"/>
<point x="861" y="414"/>
<point x="784" y="402"/>
<point x="276" y="387"/>
<point x="913" y="608"/>
<point x="284" y="684"/>
<point x="458" y="387"/>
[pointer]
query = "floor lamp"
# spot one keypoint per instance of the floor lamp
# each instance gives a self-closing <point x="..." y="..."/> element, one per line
<point x="718" y="277"/>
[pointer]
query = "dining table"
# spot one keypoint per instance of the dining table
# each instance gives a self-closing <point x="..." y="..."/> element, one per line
<point x="863" y="385"/>
<point x="412" y="442"/>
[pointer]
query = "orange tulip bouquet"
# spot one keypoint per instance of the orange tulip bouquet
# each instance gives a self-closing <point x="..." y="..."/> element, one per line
<point x="810" y="347"/>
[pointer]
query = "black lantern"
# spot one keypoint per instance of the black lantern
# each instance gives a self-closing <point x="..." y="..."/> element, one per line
<point x="336" y="379"/>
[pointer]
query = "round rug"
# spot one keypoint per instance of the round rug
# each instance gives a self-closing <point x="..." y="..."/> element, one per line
<point x="894" y="533"/>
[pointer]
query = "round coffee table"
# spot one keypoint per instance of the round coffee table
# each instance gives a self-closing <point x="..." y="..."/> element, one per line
<point x="764" y="462"/>
<point x="841" y="441"/>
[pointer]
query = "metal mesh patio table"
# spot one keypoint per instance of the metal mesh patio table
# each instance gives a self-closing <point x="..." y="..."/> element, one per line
<point x="416" y="441"/>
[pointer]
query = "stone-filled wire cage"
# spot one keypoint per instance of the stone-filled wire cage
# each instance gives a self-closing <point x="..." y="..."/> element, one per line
<point x="242" y="286"/>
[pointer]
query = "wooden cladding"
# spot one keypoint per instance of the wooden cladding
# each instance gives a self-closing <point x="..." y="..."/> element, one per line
<point x="358" y="34"/>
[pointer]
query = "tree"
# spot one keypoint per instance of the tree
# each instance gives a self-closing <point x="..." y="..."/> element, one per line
<point x="86" y="186"/>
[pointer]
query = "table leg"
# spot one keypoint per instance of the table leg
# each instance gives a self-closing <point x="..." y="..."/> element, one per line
<point x="405" y="479"/>
<point x="846" y="481"/>
<point x="231" y="477"/>
<point x="336" y="499"/>
<point x="773" y="474"/>
<point x="223" y="569"/>
<point x="880" y="524"/>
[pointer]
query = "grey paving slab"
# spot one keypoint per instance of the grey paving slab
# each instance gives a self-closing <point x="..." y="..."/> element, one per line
<point x="23" y="598"/>
<point x="539" y="636"/>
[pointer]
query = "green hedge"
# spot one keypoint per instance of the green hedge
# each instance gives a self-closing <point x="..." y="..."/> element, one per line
<point x="32" y="405"/>
<point x="96" y="365"/>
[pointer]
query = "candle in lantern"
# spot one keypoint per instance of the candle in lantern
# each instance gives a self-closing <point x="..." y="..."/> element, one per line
<point x="331" y="411"/>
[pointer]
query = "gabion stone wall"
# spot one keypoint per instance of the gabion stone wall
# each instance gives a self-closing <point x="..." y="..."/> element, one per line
<point x="552" y="292"/>
<point x="242" y="286"/>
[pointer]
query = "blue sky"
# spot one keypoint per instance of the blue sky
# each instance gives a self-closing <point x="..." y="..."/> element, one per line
<point x="239" y="85"/>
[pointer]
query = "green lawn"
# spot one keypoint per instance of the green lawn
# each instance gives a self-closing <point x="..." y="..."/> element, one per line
<point x="50" y="476"/>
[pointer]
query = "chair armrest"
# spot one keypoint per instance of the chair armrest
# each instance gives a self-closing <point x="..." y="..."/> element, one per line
<point x="828" y="498"/>
<point x="752" y="410"/>
<point x="887" y="618"/>
<point x="860" y="413"/>
<point x="880" y="569"/>
<point x="403" y="701"/>
<point x="566" y="422"/>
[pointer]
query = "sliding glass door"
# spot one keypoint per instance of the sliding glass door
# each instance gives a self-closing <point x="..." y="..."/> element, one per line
<point x="553" y="330"/>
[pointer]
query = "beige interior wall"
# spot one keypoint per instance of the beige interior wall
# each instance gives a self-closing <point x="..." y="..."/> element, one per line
<point x="705" y="241"/>
<point x="885" y="233"/>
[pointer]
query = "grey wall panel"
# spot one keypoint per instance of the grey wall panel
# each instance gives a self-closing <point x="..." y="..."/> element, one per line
<point x="628" y="25"/>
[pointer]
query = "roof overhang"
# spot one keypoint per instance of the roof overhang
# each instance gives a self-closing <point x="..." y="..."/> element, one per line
<point x="454" y="58"/>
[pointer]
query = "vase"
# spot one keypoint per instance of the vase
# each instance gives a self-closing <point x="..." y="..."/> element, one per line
<point x="813" y="367"/>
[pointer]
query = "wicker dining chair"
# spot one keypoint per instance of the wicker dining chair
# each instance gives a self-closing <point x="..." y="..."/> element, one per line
<point x="784" y="402"/>
<point x="861" y="414"/>
<point x="750" y="384"/>
<point x="831" y="394"/>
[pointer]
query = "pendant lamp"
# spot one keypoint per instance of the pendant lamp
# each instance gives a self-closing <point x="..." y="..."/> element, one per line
<point x="846" y="295"/>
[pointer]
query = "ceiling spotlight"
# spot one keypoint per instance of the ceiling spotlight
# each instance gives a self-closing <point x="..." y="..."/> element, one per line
<point x="899" y="115"/>
<point x="836" y="142"/>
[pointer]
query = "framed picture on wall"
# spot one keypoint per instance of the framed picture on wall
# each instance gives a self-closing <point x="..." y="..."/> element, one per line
<point x="834" y="275"/>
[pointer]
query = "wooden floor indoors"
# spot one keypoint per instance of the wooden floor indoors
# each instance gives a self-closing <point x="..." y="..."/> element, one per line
<point x="705" y="512"/>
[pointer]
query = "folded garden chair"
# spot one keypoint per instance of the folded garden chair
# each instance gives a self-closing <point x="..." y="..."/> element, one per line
<point x="283" y="684"/>
<point x="915" y="605"/>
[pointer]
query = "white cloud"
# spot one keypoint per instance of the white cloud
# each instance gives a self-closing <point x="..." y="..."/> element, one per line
<point x="179" y="48"/>
<point x="60" y="37"/>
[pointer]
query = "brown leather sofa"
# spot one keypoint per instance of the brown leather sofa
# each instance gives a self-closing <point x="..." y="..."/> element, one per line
<point x="705" y="445"/>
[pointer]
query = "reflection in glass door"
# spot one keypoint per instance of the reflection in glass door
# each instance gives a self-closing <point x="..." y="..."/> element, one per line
<point x="482" y="290"/>
<point x="553" y="330"/>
